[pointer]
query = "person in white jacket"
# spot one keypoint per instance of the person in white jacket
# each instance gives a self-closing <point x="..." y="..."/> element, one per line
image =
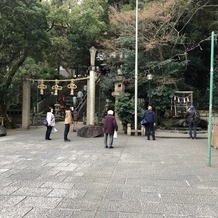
<point x="51" y="123"/>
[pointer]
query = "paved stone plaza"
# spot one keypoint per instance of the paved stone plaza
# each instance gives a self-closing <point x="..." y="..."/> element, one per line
<point x="168" y="177"/>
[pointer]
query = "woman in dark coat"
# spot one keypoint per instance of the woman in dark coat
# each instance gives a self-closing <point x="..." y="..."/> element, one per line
<point x="110" y="125"/>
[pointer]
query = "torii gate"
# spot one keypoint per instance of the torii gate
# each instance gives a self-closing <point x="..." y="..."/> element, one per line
<point x="90" y="96"/>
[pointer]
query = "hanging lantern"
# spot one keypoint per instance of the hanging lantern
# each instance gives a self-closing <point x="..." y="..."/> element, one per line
<point x="71" y="86"/>
<point x="42" y="86"/>
<point x="56" y="87"/>
<point x="178" y="99"/>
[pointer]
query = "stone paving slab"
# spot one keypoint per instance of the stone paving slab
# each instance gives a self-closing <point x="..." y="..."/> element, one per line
<point x="168" y="177"/>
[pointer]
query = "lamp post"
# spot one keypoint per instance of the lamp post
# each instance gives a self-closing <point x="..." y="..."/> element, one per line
<point x="149" y="78"/>
<point x="210" y="99"/>
<point x="91" y="89"/>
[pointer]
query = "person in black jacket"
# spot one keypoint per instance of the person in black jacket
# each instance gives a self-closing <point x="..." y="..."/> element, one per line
<point x="190" y="115"/>
<point x="150" y="117"/>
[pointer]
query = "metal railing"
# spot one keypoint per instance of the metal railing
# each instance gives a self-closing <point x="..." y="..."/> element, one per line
<point x="84" y="99"/>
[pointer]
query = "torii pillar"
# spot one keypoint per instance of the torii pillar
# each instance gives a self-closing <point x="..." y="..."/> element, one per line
<point x="91" y="99"/>
<point x="26" y="104"/>
<point x="90" y="110"/>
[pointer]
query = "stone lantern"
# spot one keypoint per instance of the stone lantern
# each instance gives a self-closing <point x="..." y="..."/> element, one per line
<point x="119" y="88"/>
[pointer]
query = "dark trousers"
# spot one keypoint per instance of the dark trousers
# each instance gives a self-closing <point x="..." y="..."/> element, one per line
<point x="108" y="139"/>
<point x="66" y="131"/>
<point x="149" y="130"/>
<point x="48" y="132"/>
<point x="192" y="130"/>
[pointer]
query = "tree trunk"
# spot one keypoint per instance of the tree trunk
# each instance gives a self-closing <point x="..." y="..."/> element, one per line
<point x="3" y="105"/>
<point x="5" y="85"/>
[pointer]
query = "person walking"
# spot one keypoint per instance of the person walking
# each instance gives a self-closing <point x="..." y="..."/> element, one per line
<point x="150" y="117"/>
<point x="51" y="122"/>
<point x="74" y="101"/>
<point x="191" y="119"/>
<point x="75" y="118"/>
<point x="67" y="123"/>
<point x="80" y="96"/>
<point x="110" y="125"/>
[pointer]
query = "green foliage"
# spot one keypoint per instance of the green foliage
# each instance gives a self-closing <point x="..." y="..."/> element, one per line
<point x="107" y="87"/>
<point x="37" y="37"/>
<point x="167" y="47"/>
<point x="23" y="26"/>
<point x="23" y="34"/>
<point x="127" y="5"/>
<point x="86" y="18"/>
<point x="161" y="98"/>
<point x="205" y="99"/>
<point x="125" y="108"/>
<point x="36" y="70"/>
<point x="74" y="29"/>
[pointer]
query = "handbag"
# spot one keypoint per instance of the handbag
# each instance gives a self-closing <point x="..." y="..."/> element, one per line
<point x="115" y="134"/>
<point x="54" y="130"/>
<point x="143" y="122"/>
<point x="45" y="122"/>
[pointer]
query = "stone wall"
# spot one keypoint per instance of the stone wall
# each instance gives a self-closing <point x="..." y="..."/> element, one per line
<point x="205" y="116"/>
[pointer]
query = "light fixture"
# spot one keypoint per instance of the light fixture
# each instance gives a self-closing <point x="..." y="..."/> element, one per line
<point x="149" y="76"/>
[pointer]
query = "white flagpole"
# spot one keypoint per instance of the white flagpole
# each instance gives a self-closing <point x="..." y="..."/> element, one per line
<point x="136" y="69"/>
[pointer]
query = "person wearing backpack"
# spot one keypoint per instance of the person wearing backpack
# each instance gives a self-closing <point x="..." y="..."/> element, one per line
<point x="75" y="118"/>
<point x="192" y="119"/>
